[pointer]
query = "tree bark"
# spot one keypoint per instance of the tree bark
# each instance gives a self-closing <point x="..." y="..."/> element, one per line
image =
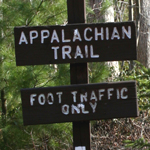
<point x="137" y="12"/>
<point x="79" y="75"/>
<point x="108" y="16"/>
<point x="130" y="10"/>
<point x="131" y="19"/>
<point x="3" y="101"/>
<point x="143" y="49"/>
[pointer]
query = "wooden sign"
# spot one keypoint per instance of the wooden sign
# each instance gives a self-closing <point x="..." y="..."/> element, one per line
<point x="79" y="103"/>
<point x="78" y="43"/>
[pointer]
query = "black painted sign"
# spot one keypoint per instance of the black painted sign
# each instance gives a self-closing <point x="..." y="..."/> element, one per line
<point x="79" y="102"/>
<point x="78" y="43"/>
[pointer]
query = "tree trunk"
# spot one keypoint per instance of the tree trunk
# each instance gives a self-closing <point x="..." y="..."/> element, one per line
<point x="143" y="49"/>
<point x="96" y="16"/>
<point x="109" y="13"/>
<point x="3" y="102"/>
<point x="137" y="11"/>
<point x="108" y="16"/>
<point x="131" y="19"/>
<point x="130" y="10"/>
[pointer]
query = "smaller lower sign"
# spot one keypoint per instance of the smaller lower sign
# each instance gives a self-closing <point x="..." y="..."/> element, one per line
<point x="79" y="102"/>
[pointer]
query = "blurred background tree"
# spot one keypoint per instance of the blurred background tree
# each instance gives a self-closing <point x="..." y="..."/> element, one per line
<point x="13" y="135"/>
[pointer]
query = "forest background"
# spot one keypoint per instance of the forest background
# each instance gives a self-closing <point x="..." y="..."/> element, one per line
<point x="125" y="133"/>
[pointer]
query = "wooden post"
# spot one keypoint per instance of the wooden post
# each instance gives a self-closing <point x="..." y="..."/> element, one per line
<point x="79" y="75"/>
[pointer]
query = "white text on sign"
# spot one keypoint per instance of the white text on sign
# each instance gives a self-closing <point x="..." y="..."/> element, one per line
<point x="78" y="106"/>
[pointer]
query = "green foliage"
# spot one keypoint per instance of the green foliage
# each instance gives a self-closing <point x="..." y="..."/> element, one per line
<point x="98" y="72"/>
<point x="55" y="136"/>
<point x="62" y="74"/>
<point x="106" y="4"/>
<point x="138" y="144"/>
<point x="13" y="135"/>
<point x="142" y="76"/>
